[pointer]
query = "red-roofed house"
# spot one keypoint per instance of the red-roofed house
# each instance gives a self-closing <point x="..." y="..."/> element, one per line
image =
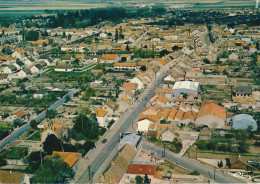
<point x="139" y="168"/>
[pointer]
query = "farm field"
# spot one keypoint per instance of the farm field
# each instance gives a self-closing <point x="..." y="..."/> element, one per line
<point x="24" y="7"/>
<point x="220" y="93"/>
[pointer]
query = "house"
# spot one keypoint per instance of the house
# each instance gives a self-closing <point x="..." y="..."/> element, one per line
<point x="160" y="101"/>
<point x="14" y="177"/>
<point x="19" y="65"/>
<point x="110" y="106"/>
<point x="167" y="135"/>
<point x="144" y="124"/>
<point x="237" y="163"/>
<point x="96" y="72"/>
<point x="70" y="158"/>
<point x="212" y="115"/>
<point x="29" y="61"/>
<point x="66" y="58"/>
<point x="5" y="78"/>
<point x="109" y="58"/>
<point x="185" y="87"/>
<point x="125" y="66"/>
<point x="56" y="128"/>
<point x="139" y="168"/>
<point x="128" y="86"/>
<point x="164" y="92"/>
<point x="20" y="114"/>
<point x="9" y="69"/>
<point x="244" y="91"/>
<point x="205" y="134"/>
<point x="24" y="73"/>
<point x="172" y="115"/>
<point x="129" y="138"/>
<point x="139" y="81"/>
<point x="233" y="56"/>
<point x="17" y="54"/>
<point x="120" y="165"/>
<point x="36" y="69"/>
<point x="64" y="68"/>
<point x="191" y="74"/>
<point x="40" y="93"/>
<point x="102" y="117"/>
<point x="243" y="121"/>
<point x="169" y="80"/>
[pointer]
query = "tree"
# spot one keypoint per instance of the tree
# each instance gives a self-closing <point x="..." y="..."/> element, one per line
<point x="143" y="68"/>
<point x="195" y="172"/>
<point x="123" y="59"/>
<point x="201" y="144"/>
<point x="185" y="95"/>
<point x="51" y="114"/>
<point x="206" y="61"/>
<point x="163" y="53"/>
<point x="18" y="122"/>
<point x="224" y="54"/>
<point x="2" y="161"/>
<point x="51" y="143"/>
<point x="220" y="164"/>
<point x="225" y="72"/>
<point x="127" y="48"/>
<point x="146" y="179"/>
<point x="31" y="35"/>
<point x="212" y="145"/>
<point x="34" y="124"/>
<point x="138" y="179"/>
<point x="121" y="36"/>
<point x="88" y="93"/>
<point x="175" y="48"/>
<point x="116" y="35"/>
<point x="54" y="170"/>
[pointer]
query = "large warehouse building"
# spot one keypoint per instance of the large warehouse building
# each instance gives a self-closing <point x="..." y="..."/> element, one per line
<point x="187" y="87"/>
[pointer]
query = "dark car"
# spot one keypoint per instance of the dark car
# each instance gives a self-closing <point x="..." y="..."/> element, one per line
<point x="104" y="141"/>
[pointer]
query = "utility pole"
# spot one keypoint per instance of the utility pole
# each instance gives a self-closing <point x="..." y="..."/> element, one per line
<point x="215" y="173"/>
<point x="89" y="173"/>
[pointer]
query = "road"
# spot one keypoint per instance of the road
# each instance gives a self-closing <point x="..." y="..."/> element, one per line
<point x="191" y="164"/>
<point x="102" y="155"/>
<point x="17" y="133"/>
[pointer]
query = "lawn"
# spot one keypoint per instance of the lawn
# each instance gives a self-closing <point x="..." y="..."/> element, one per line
<point x="15" y="153"/>
<point x="4" y="129"/>
<point x="36" y="136"/>
<point x="220" y="93"/>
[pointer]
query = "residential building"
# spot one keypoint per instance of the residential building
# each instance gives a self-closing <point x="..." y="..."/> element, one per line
<point x="5" y="78"/>
<point x="102" y="117"/>
<point x="70" y="158"/>
<point x="57" y="128"/>
<point x="64" y="68"/>
<point x="212" y="115"/>
<point x="205" y="134"/>
<point x="132" y="139"/>
<point x="109" y="58"/>
<point x="244" y="91"/>
<point x="24" y="73"/>
<point x="9" y="69"/>
<point x="40" y="93"/>
<point x="125" y="66"/>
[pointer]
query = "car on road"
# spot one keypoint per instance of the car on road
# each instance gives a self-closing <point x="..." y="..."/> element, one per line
<point x="104" y="141"/>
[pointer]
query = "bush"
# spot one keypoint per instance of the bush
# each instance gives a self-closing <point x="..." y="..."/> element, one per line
<point x="197" y="173"/>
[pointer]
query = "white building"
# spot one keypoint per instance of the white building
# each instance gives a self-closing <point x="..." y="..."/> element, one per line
<point x="187" y="87"/>
<point x="102" y="117"/>
<point x="24" y="73"/>
<point x="40" y="93"/>
<point x="139" y="82"/>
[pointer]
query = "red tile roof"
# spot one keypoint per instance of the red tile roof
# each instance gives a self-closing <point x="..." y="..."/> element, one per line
<point x="141" y="169"/>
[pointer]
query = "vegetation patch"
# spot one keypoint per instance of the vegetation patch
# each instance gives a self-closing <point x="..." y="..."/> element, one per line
<point x="217" y="93"/>
<point x="15" y="153"/>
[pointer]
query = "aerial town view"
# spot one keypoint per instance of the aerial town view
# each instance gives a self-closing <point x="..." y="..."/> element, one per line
<point x="129" y="91"/>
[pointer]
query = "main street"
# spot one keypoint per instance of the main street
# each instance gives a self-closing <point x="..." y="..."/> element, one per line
<point x="100" y="157"/>
<point x="191" y="164"/>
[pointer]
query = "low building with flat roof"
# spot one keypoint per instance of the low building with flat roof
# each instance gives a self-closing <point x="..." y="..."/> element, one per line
<point x="188" y="87"/>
